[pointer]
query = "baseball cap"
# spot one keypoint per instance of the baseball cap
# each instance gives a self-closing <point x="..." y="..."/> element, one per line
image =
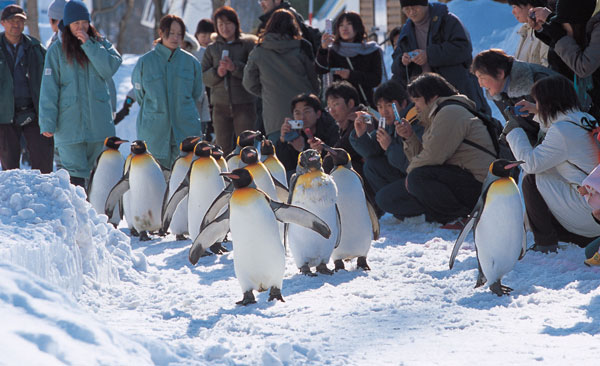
<point x="13" y="11"/>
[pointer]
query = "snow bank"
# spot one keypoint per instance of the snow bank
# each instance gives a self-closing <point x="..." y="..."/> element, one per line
<point x="47" y="227"/>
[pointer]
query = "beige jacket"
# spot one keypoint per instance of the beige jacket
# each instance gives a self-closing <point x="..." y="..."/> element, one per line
<point x="530" y="48"/>
<point x="443" y="139"/>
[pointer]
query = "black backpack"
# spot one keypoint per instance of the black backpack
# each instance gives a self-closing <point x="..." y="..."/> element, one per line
<point x="494" y="128"/>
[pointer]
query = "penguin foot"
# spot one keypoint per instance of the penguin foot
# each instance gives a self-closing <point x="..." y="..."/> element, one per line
<point x="114" y="225"/>
<point x="361" y="262"/>
<point x="206" y="253"/>
<point x="545" y="248"/>
<point x="162" y="232"/>
<point x="134" y="232"/>
<point x="248" y="299"/>
<point x="499" y="289"/>
<point x="481" y="280"/>
<point x="275" y="294"/>
<point x="339" y="264"/>
<point x="305" y="270"/>
<point x="217" y="248"/>
<point x="322" y="269"/>
<point x="180" y="237"/>
<point x="144" y="236"/>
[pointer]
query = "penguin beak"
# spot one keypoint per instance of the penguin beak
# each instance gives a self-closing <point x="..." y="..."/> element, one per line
<point x="514" y="164"/>
<point x="314" y="158"/>
<point x="195" y="140"/>
<point x="119" y="142"/>
<point x="230" y="175"/>
<point x="328" y="149"/>
<point x="204" y="148"/>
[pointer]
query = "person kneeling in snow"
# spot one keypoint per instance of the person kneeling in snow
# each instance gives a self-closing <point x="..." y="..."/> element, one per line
<point x="445" y="173"/>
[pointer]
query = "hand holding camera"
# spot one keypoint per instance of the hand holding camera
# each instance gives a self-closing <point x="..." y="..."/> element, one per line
<point x="383" y="137"/>
<point x="360" y="122"/>
<point x="404" y="129"/>
<point x="511" y="123"/>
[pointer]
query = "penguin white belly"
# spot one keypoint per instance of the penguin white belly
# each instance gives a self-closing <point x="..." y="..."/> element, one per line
<point x="179" y="222"/>
<point x="357" y="230"/>
<point x="277" y="170"/>
<point x="234" y="162"/>
<point x="223" y="165"/>
<point x="317" y="194"/>
<point x="108" y="173"/>
<point x="205" y="185"/>
<point x="147" y="189"/>
<point x="259" y="255"/>
<point x="499" y="232"/>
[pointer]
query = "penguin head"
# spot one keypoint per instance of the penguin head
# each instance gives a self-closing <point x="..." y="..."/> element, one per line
<point x="217" y="152"/>
<point x="267" y="148"/>
<point x="502" y="167"/>
<point x="246" y="138"/>
<point x="113" y="142"/>
<point x="240" y="177"/>
<point x="188" y="144"/>
<point x="138" y="147"/>
<point x="203" y="149"/>
<point x="309" y="160"/>
<point x="249" y="155"/>
<point x="339" y="156"/>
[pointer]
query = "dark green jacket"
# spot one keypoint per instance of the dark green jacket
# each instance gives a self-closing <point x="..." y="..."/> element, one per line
<point x="35" y="54"/>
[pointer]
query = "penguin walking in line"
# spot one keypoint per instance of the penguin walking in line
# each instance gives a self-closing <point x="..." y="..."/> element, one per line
<point x="262" y="177"/>
<point x="499" y="232"/>
<point x="246" y="138"/>
<point x="275" y="167"/>
<point x="145" y="181"/>
<point x="252" y="217"/>
<point x="201" y="186"/>
<point x="125" y="201"/>
<point x="180" y="168"/>
<point x="107" y="171"/>
<point x="357" y="215"/>
<point x="315" y="191"/>
<point x="217" y="154"/>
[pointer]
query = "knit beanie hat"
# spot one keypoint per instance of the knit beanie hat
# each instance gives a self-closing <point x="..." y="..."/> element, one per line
<point x="74" y="11"/>
<point x="579" y="13"/>
<point x="56" y="9"/>
<point x="404" y="3"/>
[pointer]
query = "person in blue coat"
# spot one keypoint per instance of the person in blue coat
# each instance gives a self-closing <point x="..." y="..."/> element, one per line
<point x="167" y="83"/>
<point x="75" y="104"/>
<point x="435" y="40"/>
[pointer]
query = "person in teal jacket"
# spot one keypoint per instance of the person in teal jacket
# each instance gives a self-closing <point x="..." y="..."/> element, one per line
<point x="75" y="104"/>
<point x="167" y="83"/>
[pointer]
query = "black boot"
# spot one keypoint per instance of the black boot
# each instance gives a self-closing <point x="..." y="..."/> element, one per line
<point x="76" y="181"/>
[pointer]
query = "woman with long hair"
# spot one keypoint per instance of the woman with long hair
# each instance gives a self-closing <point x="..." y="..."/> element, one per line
<point x="222" y="70"/>
<point x="279" y="68"/>
<point x="347" y="53"/>
<point x="556" y="167"/>
<point x="167" y="83"/>
<point x="75" y="105"/>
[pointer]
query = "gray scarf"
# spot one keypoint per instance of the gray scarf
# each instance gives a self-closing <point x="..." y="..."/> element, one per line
<point x="351" y="49"/>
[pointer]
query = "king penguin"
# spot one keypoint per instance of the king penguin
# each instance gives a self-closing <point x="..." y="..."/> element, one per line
<point x="145" y="181"/>
<point x="202" y="185"/>
<point x="262" y="177"/>
<point x="357" y="215"/>
<point x="246" y="138"/>
<point x="217" y="154"/>
<point x="181" y="165"/>
<point x="107" y="171"/>
<point x="126" y="202"/>
<point x="499" y="232"/>
<point x="251" y="216"/>
<point x="315" y="191"/>
<point x="275" y="167"/>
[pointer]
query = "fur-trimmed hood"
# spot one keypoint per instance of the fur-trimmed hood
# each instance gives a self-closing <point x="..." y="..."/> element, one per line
<point x="522" y="77"/>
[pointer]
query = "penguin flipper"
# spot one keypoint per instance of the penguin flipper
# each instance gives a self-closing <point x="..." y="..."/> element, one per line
<point x="299" y="216"/>
<point x="212" y="233"/>
<point x="89" y="187"/>
<point x="168" y="210"/>
<point x="374" y="220"/>
<point x="281" y="190"/>
<point x="461" y="238"/>
<point x="221" y="201"/>
<point x="524" y="243"/>
<point x="115" y="195"/>
<point x="293" y="181"/>
<point x="339" y="225"/>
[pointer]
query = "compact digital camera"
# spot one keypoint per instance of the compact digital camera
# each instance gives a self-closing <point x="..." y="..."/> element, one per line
<point x="516" y="110"/>
<point x="413" y="54"/>
<point x="224" y="53"/>
<point x="382" y="122"/>
<point x="297" y="124"/>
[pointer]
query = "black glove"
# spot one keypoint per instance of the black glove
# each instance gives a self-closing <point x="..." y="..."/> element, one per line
<point x="551" y="32"/>
<point x="121" y="114"/>
<point x="510" y="125"/>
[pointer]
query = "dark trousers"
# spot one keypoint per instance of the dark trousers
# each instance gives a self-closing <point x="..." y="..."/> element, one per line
<point x="441" y="192"/>
<point x="379" y="173"/>
<point x="41" y="149"/>
<point x="546" y="229"/>
<point x="229" y="122"/>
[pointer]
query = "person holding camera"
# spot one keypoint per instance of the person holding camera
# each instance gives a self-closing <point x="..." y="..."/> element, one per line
<point x="530" y="48"/>
<point x="21" y="69"/>
<point x="308" y="115"/>
<point x="222" y="71"/>
<point x="554" y="169"/>
<point x="508" y="81"/>
<point x="383" y="149"/>
<point x="435" y="40"/>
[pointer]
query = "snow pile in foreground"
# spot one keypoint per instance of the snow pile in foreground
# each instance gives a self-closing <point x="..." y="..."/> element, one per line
<point x="47" y="227"/>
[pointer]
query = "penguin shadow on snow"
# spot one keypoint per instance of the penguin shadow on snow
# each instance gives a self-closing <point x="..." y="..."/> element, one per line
<point x="180" y="259"/>
<point x="298" y="283"/>
<point x="591" y="327"/>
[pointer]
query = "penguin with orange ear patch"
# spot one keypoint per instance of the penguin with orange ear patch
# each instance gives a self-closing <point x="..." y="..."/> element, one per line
<point x="499" y="232"/>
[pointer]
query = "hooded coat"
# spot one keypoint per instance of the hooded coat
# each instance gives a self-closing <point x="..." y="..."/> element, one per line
<point x="277" y="70"/>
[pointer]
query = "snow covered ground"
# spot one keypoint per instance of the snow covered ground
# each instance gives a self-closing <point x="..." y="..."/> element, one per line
<point x="76" y="291"/>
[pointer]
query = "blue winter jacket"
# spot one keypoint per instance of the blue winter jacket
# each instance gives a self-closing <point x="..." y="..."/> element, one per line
<point x="167" y="84"/>
<point x="74" y="100"/>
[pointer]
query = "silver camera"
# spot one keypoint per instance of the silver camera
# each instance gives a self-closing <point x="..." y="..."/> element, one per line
<point x="224" y="53"/>
<point x="297" y="124"/>
<point x="382" y="122"/>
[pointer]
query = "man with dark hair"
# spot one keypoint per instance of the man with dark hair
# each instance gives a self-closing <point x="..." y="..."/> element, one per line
<point x="306" y="108"/>
<point x="21" y="68"/>
<point x="508" y="81"/>
<point x="383" y="149"/>
<point x="435" y="40"/>
<point x="448" y="166"/>
<point x="530" y="48"/>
